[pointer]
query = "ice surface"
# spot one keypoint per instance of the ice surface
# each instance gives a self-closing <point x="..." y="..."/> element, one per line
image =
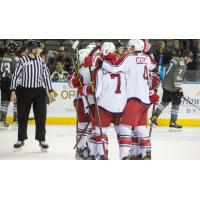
<point x="184" y="145"/>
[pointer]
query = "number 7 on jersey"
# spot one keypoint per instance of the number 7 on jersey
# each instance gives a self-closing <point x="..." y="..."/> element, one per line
<point x="118" y="77"/>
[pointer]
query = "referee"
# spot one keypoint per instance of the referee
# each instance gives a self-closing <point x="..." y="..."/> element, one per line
<point x="29" y="83"/>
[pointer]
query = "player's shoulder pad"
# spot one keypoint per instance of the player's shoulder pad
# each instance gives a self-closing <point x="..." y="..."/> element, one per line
<point x="122" y="58"/>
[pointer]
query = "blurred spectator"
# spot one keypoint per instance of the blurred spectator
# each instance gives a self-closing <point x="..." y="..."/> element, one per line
<point x="161" y="54"/>
<point x="51" y="60"/>
<point x="198" y="55"/>
<point x="65" y="59"/>
<point x="2" y="51"/>
<point x="44" y="53"/>
<point x="177" y="47"/>
<point x="162" y="57"/>
<point x="193" y="45"/>
<point x="61" y="54"/>
<point x="59" y="74"/>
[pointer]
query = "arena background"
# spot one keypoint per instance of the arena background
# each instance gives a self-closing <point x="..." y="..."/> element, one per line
<point x="63" y="112"/>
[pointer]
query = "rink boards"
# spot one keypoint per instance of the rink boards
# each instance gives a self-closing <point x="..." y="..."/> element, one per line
<point x="63" y="112"/>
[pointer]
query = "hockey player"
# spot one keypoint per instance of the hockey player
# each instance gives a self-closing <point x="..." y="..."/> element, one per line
<point x="153" y="82"/>
<point x="84" y="106"/>
<point x="108" y="86"/>
<point x="136" y="66"/>
<point x="172" y="91"/>
<point x="8" y="65"/>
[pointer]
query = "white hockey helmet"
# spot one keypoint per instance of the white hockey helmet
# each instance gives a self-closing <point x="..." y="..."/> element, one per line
<point x="137" y="44"/>
<point x="83" y="53"/>
<point x="91" y="46"/>
<point x="108" y="47"/>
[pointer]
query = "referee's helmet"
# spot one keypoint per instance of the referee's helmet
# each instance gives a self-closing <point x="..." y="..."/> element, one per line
<point x="33" y="44"/>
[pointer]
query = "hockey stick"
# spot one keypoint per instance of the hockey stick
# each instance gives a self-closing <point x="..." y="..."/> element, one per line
<point x="151" y="124"/>
<point x="81" y="135"/>
<point x="191" y="103"/>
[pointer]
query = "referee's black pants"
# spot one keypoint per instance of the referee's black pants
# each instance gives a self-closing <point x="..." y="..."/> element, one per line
<point x="26" y="97"/>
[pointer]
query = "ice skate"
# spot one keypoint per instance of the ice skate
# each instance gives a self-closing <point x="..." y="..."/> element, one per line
<point x="4" y="125"/>
<point x="78" y="154"/>
<point x="44" y="146"/>
<point x="138" y="157"/>
<point x="126" y="157"/>
<point x="101" y="157"/>
<point x="153" y="121"/>
<point x="82" y="154"/>
<point x="148" y="155"/>
<point x="19" y="145"/>
<point x="174" y="127"/>
<point x="91" y="157"/>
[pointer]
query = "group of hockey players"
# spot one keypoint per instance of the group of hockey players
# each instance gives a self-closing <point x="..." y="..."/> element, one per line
<point x="118" y="86"/>
<point x="114" y="86"/>
<point x="116" y="83"/>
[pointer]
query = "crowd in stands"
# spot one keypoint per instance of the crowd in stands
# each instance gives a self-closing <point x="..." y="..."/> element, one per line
<point x="60" y="62"/>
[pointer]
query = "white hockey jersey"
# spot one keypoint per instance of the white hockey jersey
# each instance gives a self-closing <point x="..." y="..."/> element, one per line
<point x="137" y="67"/>
<point x="111" y="91"/>
<point x="85" y="73"/>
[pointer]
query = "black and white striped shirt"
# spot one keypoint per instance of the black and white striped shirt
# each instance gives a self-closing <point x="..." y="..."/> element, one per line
<point x="33" y="73"/>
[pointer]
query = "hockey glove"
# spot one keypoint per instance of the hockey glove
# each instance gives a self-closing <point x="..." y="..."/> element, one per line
<point x="74" y="82"/>
<point x="179" y="93"/>
<point x="91" y="61"/>
<point x="154" y="98"/>
<point x="88" y="61"/>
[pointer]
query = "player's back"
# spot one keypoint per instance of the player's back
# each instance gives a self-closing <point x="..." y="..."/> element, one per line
<point x="111" y="91"/>
<point x="137" y="85"/>
<point x="8" y="64"/>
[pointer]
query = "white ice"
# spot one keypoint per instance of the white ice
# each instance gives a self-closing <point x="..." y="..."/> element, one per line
<point x="184" y="145"/>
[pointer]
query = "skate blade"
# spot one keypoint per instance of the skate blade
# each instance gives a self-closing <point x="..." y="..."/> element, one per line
<point x="18" y="149"/>
<point x="44" y="150"/>
<point x="175" y="130"/>
<point x="4" y="128"/>
<point x="153" y="126"/>
<point x="78" y="158"/>
<point x="14" y="127"/>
